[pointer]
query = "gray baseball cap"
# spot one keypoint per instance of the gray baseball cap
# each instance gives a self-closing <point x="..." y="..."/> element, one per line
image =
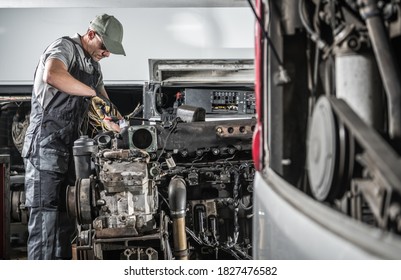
<point x="111" y="31"/>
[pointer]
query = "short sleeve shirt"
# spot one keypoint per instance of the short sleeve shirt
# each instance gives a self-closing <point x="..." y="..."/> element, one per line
<point x="63" y="50"/>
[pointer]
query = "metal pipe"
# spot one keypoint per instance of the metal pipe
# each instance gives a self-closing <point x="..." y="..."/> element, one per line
<point x="177" y="195"/>
<point x="116" y="154"/>
<point x="385" y="59"/>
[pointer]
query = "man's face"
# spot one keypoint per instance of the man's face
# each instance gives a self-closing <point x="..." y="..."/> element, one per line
<point x="97" y="48"/>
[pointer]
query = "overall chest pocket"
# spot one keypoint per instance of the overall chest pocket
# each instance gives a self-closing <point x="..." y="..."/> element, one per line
<point x="54" y="149"/>
<point x="57" y="137"/>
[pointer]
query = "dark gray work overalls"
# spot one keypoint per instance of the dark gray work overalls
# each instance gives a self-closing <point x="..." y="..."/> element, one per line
<point x="49" y="167"/>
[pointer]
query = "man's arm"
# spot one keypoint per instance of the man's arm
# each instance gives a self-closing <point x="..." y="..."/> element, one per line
<point x="103" y="92"/>
<point x="56" y="74"/>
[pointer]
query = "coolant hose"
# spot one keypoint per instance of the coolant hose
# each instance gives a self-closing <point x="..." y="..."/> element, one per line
<point x="387" y="65"/>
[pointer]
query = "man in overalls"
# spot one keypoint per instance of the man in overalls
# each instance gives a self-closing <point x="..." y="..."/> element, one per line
<point x="67" y="76"/>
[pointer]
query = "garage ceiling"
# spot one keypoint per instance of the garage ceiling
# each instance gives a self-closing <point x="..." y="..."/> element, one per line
<point x="120" y="3"/>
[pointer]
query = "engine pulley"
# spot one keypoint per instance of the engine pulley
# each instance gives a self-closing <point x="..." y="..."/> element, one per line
<point x="329" y="153"/>
<point x="79" y="201"/>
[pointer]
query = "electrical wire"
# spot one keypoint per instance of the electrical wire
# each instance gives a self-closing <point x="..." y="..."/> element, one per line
<point x="18" y="131"/>
<point x="269" y="41"/>
<point x="171" y="129"/>
<point x="282" y="76"/>
<point x="96" y="113"/>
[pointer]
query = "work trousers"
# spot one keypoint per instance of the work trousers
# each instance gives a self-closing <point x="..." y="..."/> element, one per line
<point x="50" y="229"/>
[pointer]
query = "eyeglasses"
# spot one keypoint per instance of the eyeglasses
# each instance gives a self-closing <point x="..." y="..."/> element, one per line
<point x="102" y="47"/>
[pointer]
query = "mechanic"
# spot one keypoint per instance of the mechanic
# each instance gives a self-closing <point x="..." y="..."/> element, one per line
<point x="68" y="75"/>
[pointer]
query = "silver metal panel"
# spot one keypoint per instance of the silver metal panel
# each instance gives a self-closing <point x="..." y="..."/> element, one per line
<point x="119" y="3"/>
<point x="288" y="224"/>
<point x="201" y="71"/>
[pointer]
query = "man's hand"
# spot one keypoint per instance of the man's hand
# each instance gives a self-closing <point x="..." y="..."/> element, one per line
<point x="104" y="98"/>
<point x="101" y="106"/>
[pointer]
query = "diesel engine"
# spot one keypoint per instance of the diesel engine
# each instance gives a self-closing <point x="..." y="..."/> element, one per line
<point x="166" y="190"/>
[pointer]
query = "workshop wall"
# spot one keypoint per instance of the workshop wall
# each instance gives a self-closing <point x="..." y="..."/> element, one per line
<point x="162" y="33"/>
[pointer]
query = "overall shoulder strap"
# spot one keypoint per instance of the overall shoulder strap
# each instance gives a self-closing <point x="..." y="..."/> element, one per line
<point x="76" y="52"/>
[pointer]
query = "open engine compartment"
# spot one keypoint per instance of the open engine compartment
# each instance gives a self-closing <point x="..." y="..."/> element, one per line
<point x="177" y="183"/>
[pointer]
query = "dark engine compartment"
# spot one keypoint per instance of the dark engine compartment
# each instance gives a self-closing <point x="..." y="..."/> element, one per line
<point x="330" y="88"/>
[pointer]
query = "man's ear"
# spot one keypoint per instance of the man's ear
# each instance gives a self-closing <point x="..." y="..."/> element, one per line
<point x="91" y="34"/>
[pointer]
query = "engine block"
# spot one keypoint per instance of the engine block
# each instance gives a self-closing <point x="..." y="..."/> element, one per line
<point x="186" y="194"/>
